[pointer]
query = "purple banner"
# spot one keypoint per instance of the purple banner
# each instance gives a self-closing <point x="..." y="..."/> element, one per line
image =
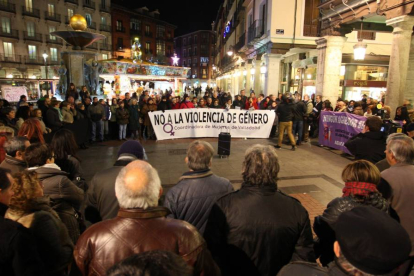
<point x="335" y="128"/>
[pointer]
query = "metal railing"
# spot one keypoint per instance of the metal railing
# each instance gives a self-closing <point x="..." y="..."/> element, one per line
<point x="88" y="4"/>
<point x="120" y="29"/>
<point x="34" y="60"/>
<point x="241" y="42"/>
<point x="7" y="7"/>
<point x="30" y="12"/>
<point x="149" y="34"/>
<point x="72" y="2"/>
<point x="11" y="58"/>
<point x="104" y="28"/>
<point x="104" y="9"/>
<point x="256" y="30"/>
<point x="135" y="31"/>
<point x="56" y="40"/>
<point x="53" y="17"/>
<point x="9" y="33"/>
<point x="33" y="36"/>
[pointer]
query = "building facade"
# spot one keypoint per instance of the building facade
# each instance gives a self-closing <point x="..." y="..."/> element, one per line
<point x="25" y="33"/>
<point x="196" y="50"/>
<point x="156" y="36"/>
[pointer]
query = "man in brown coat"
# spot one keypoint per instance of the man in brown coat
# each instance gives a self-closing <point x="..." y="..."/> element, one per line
<point x="139" y="227"/>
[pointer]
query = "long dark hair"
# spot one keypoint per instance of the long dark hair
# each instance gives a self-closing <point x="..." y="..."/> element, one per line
<point x="63" y="144"/>
<point x="404" y="115"/>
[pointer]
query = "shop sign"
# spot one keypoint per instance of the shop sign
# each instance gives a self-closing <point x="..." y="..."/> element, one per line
<point x="309" y="83"/>
<point x="280" y="31"/>
<point x="364" y="83"/>
<point x="204" y="59"/>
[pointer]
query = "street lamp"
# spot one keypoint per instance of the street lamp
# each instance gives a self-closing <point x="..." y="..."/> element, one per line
<point x="230" y="51"/>
<point x="252" y="71"/>
<point x="263" y="69"/>
<point x="45" y="56"/>
<point x="360" y="48"/>
<point x="244" y="72"/>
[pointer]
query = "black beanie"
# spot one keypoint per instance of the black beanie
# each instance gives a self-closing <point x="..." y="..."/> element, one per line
<point x="132" y="147"/>
<point x="371" y="240"/>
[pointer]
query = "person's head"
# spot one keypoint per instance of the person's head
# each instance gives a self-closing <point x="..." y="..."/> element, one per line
<point x="361" y="171"/>
<point x="23" y="112"/>
<point x="27" y="187"/>
<point x="318" y="98"/>
<point x="9" y="113"/>
<point x="152" y="263"/>
<point x="138" y="186"/>
<point x="261" y="166"/>
<point x="32" y="130"/>
<point x="400" y="149"/>
<point x="23" y="98"/>
<point x="202" y="102"/>
<point x="239" y="97"/>
<point x="55" y="103"/>
<point x="306" y="97"/>
<point x="65" y="105"/>
<point x="340" y="104"/>
<point x="242" y="92"/>
<point x="369" y="110"/>
<point x="37" y="155"/>
<point x="174" y="100"/>
<point x="132" y="148"/>
<point x="135" y="102"/>
<point x="252" y="95"/>
<point x="121" y="104"/>
<point x="84" y="89"/>
<point x="199" y="156"/>
<point x="209" y="100"/>
<point x="71" y="100"/>
<point x="410" y="130"/>
<point x="285" y="99"/>
<point x="216" y="102"/>
<point x="36" y="113"/>
<point x="127" y="96"/>
<point x="47" y="101"/>
<point x="63" y="144"/>
<point x="351" y="103"/>
<point x="114" y="101"/>
<point x="95" y="100"/>
<point x="358" y="110"/>
<point x="373" y="124"/>
<point x="81" y="106"/>
<point x="164" y="98"/>
<point x="72" y="86"/>
<point x="6" y="183"/>
<point x="102" y="102"/>
<point x="274" y="104"/>
<point x="16" y="146"/>
<point x="326" y="104"/>
<point x="87" y="101"/>
<point x="381" y="250"/>
<point x="150" y="101"/>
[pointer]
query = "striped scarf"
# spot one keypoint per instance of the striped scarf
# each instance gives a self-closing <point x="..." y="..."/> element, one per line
<point x="358" y="188"/>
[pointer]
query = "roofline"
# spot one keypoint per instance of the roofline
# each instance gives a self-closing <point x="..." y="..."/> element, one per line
<point x="213" y="32"/>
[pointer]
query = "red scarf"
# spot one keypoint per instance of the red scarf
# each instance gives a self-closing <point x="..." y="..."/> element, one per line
<point x="358" y="188"/>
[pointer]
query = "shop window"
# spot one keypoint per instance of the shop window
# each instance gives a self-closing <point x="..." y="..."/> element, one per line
<point x="204" y="74"/>
<point x="367" y="35"/>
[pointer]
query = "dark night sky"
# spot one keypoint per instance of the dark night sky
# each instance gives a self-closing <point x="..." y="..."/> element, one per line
<point x="187" y="15"/>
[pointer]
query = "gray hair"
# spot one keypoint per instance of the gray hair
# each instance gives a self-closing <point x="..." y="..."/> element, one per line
<point x="15" y="144"/>
<point x="199" y="155"/>
<point x="261" y="165"/>
<point x="402" y="147"/>
<point x="142" y="192"/>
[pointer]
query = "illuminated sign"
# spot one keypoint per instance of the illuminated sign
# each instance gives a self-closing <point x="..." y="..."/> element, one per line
<point x="227" y="29"/>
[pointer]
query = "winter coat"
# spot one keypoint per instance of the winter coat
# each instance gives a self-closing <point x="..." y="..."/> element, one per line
<point x="164" y="106"/>
<point x="239" y="104"/>
<point x="144" y="111"/>
<point x="134" y="116"/>
<point x="285" y="112"/>
<point x="54" y="247"/>
<point x="74" y="93"/>
<point x="11" y="124"/>
<point x="305" y="268"/>
<point x="42" y="125"/>
<point x="18" y="252"/>
<point x="324" y="224"/>
<point x="368" y="146"/>
<point x="185" y="105"/>
<point x="72" y="166"/>
<point x="194" y="195"/>
<point x="249" y="233"/>
<point x="66" y="197"/>
<point x="299" y="110"/>
<point x="81" y="114"/>
<point x="113" y="109"/>
<point x="96" y="112"/>
<point x="122" y="116"/>
<point x="52" y="119"/>
<point x="68" y="116"/>
<point x="13" y="164"/>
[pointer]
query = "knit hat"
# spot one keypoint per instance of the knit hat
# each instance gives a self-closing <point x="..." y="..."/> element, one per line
<point x="410" y="127"/>
<point x="371" y="240"/>
<point x="132" y="147"/>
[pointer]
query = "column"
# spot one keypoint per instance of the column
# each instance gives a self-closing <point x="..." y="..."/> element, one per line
<point x="329" y="67"/>
<point x="236" y="86"/>
<point x="272" y="76"/>
<point x="399" y="60"/>
<point x="409" y="91"/>
<point x="257" y="83"/>
<point x="248" y="78"/>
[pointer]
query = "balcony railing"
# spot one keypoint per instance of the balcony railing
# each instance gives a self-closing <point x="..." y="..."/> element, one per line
<point x="256" y="30"/>
<point x="93" y="46"/>
<point x="9" y="33"/>
<point x="34" y="60"/>
<point x="104" y="9"/>
<point x="160" y="35"/>
<point x="148" y="51"/>
<point x="56" y="40"/>
<point x="33" y="36"/>
<point x="241" y="42"/>
<point x="135" y="31"/>
<point x="120" y="29"/>
<point x="105" y="47"/>
<point x="30" y="12"/>
<point x="149" y="34"/>
<point x="72" y="2"/>
<point x="53" y="17"/>
<point x="10" y="58"/>
<point x="89" y="4"/>
<point x="7" y="7"/>
<point x="53" y="62"/>
<point x="104" y="28"/>
<point x="92" y="26"/>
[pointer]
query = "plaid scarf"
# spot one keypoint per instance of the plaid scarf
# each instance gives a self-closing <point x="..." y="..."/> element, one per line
<point x="358" y="188"/>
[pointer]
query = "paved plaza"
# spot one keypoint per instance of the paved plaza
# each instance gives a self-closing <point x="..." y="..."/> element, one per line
<point x="312" y="174"/>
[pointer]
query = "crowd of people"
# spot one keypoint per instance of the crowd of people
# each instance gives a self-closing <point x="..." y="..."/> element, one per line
<point x="54" y="222"/>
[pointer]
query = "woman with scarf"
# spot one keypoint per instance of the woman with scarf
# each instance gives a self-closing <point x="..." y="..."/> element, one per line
<point x="54" y="116"/>
<point x="361" y="179"/>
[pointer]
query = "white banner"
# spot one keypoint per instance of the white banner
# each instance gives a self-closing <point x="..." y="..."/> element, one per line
<point x="13" y="93"/>
<point x="203" y="122"/>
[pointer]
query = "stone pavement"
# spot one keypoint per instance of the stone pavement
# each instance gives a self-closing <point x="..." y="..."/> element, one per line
<point x="311" y="174"/>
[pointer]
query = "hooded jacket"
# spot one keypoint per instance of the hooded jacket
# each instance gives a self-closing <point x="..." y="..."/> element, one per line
<point x="13" y="164"/>
<point x="369" y="146"/>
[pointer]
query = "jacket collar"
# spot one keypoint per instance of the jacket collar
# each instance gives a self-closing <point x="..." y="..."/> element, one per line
<point x="196" y="174"/>
<point x="263" y="189"/>
<point x="138" y="213"/>
<point x="11" y="160"/>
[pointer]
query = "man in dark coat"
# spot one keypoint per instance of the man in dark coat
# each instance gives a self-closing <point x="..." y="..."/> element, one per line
<point x="249" y="232"/>
<point x="14" y="160"/>
<point x="101" y="194"/>
<point x="370" y="144"/>
<point x="197" y="190"/>
<point x="54" y="116"/>
<point x="298" y="112"/>
<point x="285" y="114"/>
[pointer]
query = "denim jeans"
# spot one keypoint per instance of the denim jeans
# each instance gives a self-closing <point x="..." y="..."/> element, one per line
<point x="297" y="128"/>
<point x="97" y="127"/>
<point x="122" y="131"/>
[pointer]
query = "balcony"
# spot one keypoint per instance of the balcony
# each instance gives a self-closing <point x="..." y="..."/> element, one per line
<point x="55" y="40"/>
<point x="104" y="28"/>
<point x="37" y="60"/>
<point x="33" y="37"/>
<point x="135" y="31"/>
<point x="160" y="36"/>
<point x="10" y="58"/>
<point x="120" y="29"/>
<point x="105" y="47"/>
<point x="93" y="46"/>
<point x="104" y="9"/>
<point x="256" y="30"/>
<point x="53" y="62"/>
<point x="75" y="2"/>
<point x="92" y="25"/>
<point x="89" y="4"/>
<point x="10" y="33"/>
<point x="241" y="42"/>
<point x="7" y="7"/>
<point x="53" y="17"/>
<point x="30" y="12"/>
<point x="148" y="34"/>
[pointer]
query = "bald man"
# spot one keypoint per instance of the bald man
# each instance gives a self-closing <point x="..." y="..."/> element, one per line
<point x="139" y="227"/>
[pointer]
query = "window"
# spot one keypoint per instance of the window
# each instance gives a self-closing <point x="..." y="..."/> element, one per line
<point x="32" y="52"/>
<point x="195" y="61"/>
<point x="135" y="24"/>
<point x="103" y="20"/>
<point x="103" y="4"/>
<point x="189" y="62"/>
<point x="189" y="40"/>
<point x="104" y="56"/>
<point x="119" y="25"/>
<point x="88" y="18"/>
<point x="195" y="39"/>
<point x="189" y="51"/>
<point x="185" y="53"/>
<point x="52" y="29"/>
<point x="147" y="47"/>
<point x="70" y="13"/>
<point x="195" y="51"/>
<point x="8" y="49"/>
<point x="120" y="44"/>
<point x="51" y="10"/>
<point x="53" y="54"/>
<point x="29" y="5"/>
<point x="5" y="25"/>
<point x="30" y="28"/>
<point x="161" y="48"/>
<point x="184" y="64"/>
<point x="168" y="34"/>
<point x="160" y="31"/>
<point x="311" y="18"/>
<point x="184" y="41"/>
<point x="147" y="29"/>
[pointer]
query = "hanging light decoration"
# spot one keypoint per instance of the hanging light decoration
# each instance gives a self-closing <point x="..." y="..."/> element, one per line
<point x="360" y="48"/>
<point x="136" y="51"/>
<point x="175" y="59"/>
